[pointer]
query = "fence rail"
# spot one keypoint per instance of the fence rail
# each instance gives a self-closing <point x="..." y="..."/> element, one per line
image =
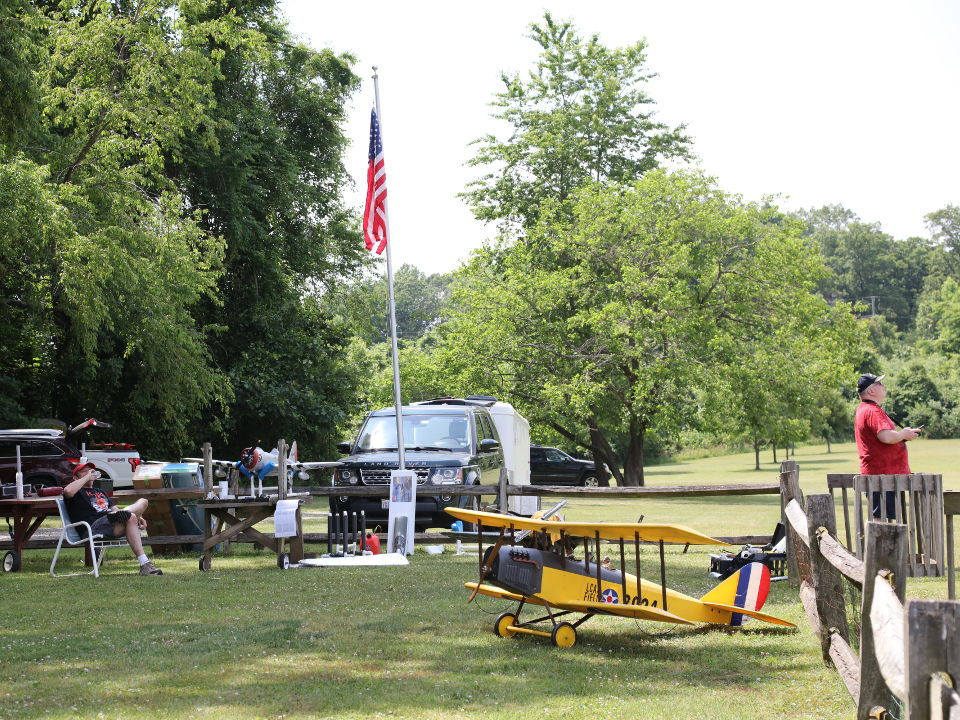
<point x="908" y="650"/>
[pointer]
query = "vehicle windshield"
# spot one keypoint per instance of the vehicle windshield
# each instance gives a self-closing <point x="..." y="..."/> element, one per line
<point x="420" y="432"/>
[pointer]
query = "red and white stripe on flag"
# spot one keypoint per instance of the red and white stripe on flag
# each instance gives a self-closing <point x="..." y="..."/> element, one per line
<point x="375" y="209"/>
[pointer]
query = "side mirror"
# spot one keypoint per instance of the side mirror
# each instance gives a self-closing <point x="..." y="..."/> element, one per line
<point x="489" y="445"/>
<point x="344" y="448"/>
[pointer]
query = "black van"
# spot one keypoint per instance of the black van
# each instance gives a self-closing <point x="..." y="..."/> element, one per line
<point x="447" y="441"/>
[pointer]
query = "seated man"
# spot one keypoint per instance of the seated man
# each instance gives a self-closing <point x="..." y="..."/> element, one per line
<point x="86" y="503"/>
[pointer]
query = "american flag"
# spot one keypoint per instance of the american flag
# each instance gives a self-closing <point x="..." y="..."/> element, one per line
<point x="375" y="211"/>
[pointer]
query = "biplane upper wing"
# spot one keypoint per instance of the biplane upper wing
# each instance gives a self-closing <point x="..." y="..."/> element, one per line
<point x="651" y="532"/>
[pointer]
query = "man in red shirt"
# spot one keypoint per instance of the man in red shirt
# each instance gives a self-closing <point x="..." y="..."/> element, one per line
<point x="882" y="448"/>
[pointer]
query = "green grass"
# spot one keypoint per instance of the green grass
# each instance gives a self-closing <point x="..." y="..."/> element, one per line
<point x="247" y="640"/>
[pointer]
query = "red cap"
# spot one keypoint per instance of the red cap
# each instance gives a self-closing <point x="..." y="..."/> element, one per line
<point x="78" y="470"/>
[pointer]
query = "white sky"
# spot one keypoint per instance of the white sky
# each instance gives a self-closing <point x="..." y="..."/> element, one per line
<point x="847" y="102"/>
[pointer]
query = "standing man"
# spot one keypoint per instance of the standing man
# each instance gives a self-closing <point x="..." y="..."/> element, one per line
<point x="882" y="448"/>
<point x="89" y="504"/>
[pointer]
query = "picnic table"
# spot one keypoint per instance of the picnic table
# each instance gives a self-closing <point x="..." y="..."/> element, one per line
<point x="239" y="515"/>
<point x="28" y="514"/>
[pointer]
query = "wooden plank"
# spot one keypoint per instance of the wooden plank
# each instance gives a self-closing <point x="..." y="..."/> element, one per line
<point x="886" y="549"/>
<point x="845" y="661"/>
<point x="886" y="618"/>
<point x="826" y="578"/>
<point x="840" y="480"/>
<point x="556" y="490"/>
<point x="933" y="646"/>
<point x="951" y="502"/>
<point x="842" y="559"/>
<point x="951" y="570"/>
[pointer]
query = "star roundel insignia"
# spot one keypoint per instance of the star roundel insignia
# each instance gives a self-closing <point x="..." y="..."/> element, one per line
<point x="609" y="596"/>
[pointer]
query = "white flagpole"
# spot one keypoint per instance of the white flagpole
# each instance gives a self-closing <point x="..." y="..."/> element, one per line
<point x="393" y="314"/>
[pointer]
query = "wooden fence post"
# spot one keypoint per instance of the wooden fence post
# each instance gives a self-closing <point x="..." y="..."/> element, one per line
<point x="826" y="578"/>
<point x="797" y="554"/>
<point x="933" y="646"/>
<point x="207" y="469"/>
<point x="886" y="549"/>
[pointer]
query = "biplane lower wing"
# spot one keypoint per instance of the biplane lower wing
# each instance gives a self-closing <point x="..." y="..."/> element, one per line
<point x="648" y="532"/>
<point x="640" y="612"/>
<point x="494" y="591"/>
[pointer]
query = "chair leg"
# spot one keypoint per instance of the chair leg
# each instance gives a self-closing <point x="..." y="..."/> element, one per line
<point x="56" y="554"/>
<point x="95" y="559"/>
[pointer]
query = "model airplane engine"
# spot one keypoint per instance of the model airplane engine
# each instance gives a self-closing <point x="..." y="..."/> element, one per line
<point x="773" y="555"/>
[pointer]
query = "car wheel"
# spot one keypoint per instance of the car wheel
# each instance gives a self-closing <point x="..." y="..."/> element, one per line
<point x="501" y="626"/>
<point x="590" y="481"/>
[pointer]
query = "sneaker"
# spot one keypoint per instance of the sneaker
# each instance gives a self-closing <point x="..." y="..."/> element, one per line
<point x="148" y="568"/>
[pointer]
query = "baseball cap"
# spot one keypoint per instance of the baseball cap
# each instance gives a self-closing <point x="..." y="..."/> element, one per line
<point x="78" y="470"/>
<point x="866" y="380"/>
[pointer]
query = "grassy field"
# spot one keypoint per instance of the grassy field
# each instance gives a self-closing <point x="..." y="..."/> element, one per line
<point x="247" y="640"/>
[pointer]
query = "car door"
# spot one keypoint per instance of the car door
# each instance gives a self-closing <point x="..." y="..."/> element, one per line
<point x="561" y="468"/>
<point x="489" y="462"/>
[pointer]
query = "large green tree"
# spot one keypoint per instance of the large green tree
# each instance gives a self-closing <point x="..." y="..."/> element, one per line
<point x="269" y="178"/>
<point x="868" y="266"/>
<point x="618" y="316"/>
<point x="581" y="115"/>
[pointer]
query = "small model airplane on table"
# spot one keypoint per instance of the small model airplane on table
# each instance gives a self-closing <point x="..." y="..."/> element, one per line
<point x="255" y="464"/>
<point x="547" y="575"/>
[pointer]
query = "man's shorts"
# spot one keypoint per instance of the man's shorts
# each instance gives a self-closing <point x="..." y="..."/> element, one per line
<point x="104" y="524"/>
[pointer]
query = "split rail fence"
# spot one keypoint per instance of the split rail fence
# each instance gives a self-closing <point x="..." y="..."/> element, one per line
<point x="909" y="651"/>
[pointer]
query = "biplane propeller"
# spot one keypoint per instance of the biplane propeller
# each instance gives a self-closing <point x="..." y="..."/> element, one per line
<point x="563" y="585"/>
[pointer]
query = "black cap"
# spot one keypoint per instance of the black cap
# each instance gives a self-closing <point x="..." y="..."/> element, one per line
<point x="866" y="380"/>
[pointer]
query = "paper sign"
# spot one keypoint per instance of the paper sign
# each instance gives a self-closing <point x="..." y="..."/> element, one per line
<point x="403" y="507"/>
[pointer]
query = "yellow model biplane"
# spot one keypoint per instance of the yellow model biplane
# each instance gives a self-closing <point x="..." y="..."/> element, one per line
<point x="543" y="572"/>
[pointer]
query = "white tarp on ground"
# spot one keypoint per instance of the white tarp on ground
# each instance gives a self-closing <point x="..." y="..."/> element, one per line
<point x="358" y="561"/>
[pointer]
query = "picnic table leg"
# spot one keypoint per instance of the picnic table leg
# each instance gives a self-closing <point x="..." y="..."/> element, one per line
<point x="296" y="542"/>
<point x="206" y="557"/>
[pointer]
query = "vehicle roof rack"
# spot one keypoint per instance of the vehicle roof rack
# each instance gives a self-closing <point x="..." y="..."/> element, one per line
<point x="476" y="400"/>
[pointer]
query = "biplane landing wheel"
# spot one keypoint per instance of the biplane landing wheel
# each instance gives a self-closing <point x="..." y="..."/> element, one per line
<point x="501" y="626"/>
<point x="11" y="561"/>
<point x="283" y="561"/>
<point x="204" y="563"/>
<point x="564" y="635"/>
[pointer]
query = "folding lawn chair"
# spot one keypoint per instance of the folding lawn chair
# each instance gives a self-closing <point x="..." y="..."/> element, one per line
<point x="96" y="543"/>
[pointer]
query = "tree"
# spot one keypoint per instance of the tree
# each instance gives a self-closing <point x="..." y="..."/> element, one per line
<point x="419" y="300"/>
<point x="617" y="316"/>
<point x="117" y="259"/>
<point x="582" y="115"/>
<point x="868" y="266"/>
<point x="268" y="175"/>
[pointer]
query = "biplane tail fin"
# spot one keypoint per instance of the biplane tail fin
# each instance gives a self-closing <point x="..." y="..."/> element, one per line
<point x="746" y="589"/>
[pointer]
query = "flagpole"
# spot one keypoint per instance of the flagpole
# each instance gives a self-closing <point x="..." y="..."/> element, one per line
<point x="393" y="313"/>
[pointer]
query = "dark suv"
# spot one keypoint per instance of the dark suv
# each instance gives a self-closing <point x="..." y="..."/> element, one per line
<point x="447" y="441"/>
<point x="45" y="459"/>
<point x="550" y="466"/>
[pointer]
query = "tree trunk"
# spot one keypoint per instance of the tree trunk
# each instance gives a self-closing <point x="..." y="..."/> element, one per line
<point x="774" y="444"/>
<point x="597" y="443"/>
<point x="756" y="454"/>
<point x="827" y="438"/>
<point x="633" y="465"/>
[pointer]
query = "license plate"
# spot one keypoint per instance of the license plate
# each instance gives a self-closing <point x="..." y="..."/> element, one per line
<point x="384" y="504"/>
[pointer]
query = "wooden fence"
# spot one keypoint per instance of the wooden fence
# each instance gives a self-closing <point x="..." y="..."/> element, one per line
<point x="909" y="655"/>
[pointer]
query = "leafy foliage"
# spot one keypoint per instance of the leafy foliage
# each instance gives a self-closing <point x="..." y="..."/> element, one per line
<point x="581" y="116"/>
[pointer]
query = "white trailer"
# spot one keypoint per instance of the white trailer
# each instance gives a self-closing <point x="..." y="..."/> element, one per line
<point x="514" y="432"/>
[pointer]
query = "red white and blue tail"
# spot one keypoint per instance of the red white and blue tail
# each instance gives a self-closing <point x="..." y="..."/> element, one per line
<point x="743" y="594"/>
